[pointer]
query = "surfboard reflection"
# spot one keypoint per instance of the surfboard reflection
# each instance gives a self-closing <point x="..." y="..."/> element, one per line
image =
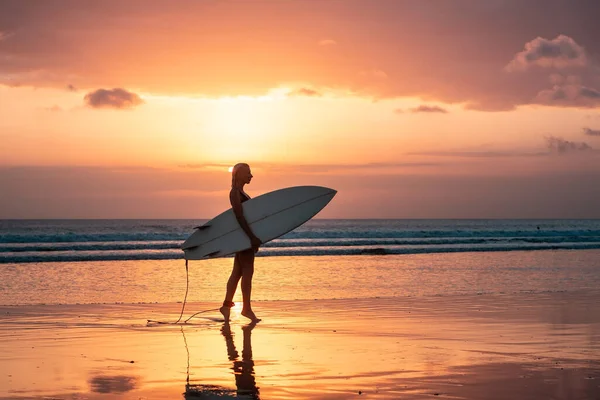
<point x="243" y="369"/>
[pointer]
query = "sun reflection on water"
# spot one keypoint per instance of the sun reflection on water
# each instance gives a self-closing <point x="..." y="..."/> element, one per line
<point x="236" y="310"/>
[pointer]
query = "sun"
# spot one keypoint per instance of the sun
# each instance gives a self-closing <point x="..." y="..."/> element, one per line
<point x="238" y="129"/>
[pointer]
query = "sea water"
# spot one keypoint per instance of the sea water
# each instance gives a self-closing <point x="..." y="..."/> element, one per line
<point x="103" y="261"/>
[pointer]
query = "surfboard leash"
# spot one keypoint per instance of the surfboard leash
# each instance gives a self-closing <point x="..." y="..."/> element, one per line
<point x="187" y="287"/>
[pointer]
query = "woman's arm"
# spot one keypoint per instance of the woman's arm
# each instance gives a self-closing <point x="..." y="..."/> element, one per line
<point x="238" y="211"/>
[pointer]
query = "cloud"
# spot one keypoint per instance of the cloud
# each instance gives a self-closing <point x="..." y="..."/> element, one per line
<point x="71" y="88"/>
<point x="560" y="79"/>
<point x="478" y="154"/>
<point x="562" y="146"/>
<point x="423" y="108"/>
<point x="569" y="95"/>
<point x="560" y="52"/>
<point x="305" y="92"/>
<point x="549" y="189"/>
<point x="315" y="168"/>
<point x="327" y="42"/>
<point x="112" y="98"/>
<point x="40" y="77"/>
<point x="411" y="59"/>
<point x="324" y="168"/>
<point x="591" y="132"/>
<point x="589" y="93"/>
<point x="553" y="143"/>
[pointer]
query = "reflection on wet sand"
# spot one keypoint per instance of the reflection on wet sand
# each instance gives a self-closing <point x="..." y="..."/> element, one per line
<point x="494" y="347"/>
<point x="195" y="390"/>
<point x="243" y="369"/>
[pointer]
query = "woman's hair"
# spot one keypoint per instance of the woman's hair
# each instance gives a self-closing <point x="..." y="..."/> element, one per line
<point x="235" y="170"/>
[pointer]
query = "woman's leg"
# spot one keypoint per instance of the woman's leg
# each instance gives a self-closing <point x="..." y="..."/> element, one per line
<point x="247" y="262"/>
<point x="234" y="278"/>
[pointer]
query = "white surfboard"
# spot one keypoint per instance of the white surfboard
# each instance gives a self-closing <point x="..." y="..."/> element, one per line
<point x="270" y="215"/>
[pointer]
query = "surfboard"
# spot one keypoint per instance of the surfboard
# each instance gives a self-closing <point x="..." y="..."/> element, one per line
<point x="270" y="216"/>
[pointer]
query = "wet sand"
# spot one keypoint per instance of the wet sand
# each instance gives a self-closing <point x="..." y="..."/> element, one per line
<point x="517" y="346"/>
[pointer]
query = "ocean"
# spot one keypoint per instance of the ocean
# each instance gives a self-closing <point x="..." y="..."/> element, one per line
<point x="103" y="261"/>
<point x="28" y="241"/>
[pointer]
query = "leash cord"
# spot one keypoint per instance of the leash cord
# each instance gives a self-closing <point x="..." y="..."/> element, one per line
<point x="187" y="287"/>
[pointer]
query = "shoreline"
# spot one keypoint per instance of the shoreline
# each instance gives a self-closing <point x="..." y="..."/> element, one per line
<point x="332" y="299"/>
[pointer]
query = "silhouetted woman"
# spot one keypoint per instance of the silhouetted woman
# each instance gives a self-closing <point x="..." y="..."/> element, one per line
<point x="243" y="263"/>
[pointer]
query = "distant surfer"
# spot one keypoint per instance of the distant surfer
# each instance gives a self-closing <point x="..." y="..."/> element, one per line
<point x="243" y="263"/>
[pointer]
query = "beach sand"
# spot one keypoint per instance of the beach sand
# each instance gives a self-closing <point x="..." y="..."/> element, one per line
<point x="500" y="346"/>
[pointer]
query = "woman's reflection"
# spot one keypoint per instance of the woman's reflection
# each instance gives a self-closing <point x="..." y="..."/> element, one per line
<point x="243" y="369"/>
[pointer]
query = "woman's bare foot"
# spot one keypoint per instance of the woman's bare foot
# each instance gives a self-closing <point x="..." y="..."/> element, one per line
<point x="250" y="315"/>
<point x="248" y="328"/>
<point x="225" y="311"/>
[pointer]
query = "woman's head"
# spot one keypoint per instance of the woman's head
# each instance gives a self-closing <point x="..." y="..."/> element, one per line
<point x="240" y="174"/>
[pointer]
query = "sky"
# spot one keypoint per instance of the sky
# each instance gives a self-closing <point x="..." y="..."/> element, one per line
<point x="409" y="108"/>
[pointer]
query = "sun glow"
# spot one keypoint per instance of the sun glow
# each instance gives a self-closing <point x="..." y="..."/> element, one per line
<point x="237" y="309"/>
<point x="241" y="128"/>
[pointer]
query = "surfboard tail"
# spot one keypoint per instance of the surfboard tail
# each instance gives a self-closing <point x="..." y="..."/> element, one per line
<point x="190" y="255"/>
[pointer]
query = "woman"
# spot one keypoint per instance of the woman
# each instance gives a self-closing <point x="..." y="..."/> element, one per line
<point x="243" y="263"/>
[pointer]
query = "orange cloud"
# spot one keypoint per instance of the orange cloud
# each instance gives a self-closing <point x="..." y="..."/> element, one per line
<point x="591" y="132"/>
<point x="570" y="95"/>
<point x="563" y="146"/>
<point x="305" y="92"/>
<point x="560" y="52"/>
<point x="245" y="48"/>
<point x="429" y="109"/>
<point x="112" y="98"/>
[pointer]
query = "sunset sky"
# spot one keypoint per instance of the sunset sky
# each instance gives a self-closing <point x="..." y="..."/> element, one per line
<point x="410" y="109"/>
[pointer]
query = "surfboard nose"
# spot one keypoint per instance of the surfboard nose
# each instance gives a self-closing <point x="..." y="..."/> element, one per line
<point x="320" y="190"/>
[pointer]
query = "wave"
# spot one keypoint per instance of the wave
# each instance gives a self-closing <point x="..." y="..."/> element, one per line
<point x="72" y="237"/>
<point x="88" y="246"/>
<point x="23" y="241"/>
<point x="101" y="255"/>
<point x="290" y="243"/>
<point x="422" y="234"/>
